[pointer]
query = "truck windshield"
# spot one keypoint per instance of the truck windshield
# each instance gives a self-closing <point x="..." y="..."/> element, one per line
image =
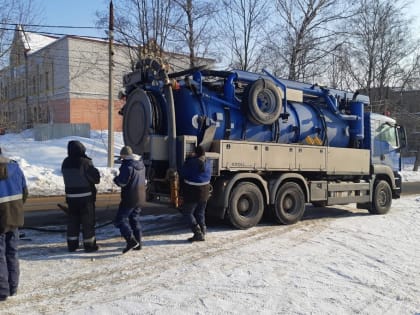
<point x="387" y="133"/>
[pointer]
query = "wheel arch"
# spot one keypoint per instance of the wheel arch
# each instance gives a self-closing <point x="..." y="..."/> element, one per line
<point x="254" y="178"/>
<point x="288" y="177"/>
<point x="383" y="172"/>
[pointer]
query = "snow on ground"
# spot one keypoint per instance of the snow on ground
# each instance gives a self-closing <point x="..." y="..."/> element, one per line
<point x="337" y="260"/>
<point x="41" y="160"/>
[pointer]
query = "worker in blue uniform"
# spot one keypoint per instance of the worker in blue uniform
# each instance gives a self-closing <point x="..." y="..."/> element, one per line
<point x="13" y="194"/>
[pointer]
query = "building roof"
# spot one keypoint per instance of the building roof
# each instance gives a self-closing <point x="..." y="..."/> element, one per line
<point x="33" y="41"/>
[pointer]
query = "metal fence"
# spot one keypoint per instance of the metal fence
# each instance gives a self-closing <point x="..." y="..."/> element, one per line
<point x="54" y="131"/>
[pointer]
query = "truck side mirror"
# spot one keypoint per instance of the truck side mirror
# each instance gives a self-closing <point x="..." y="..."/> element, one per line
<point x="402" y="137"/>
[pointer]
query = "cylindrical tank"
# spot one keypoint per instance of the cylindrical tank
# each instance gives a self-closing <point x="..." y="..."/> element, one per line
<point x="199" y="104"/>
<point x="304" y="120"/>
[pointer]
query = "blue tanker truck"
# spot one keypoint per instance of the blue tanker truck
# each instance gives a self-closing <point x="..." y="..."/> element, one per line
<point x="275" y="145"/>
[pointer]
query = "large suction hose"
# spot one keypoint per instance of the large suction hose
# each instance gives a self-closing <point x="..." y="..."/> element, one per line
<point x="172" y="172"/>
<point x="167" y="90"/>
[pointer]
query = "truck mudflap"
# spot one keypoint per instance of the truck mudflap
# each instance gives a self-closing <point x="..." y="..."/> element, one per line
<point x="394" y="178"/>
<point x="396" y="192"/>
<point x="215" y="205"/>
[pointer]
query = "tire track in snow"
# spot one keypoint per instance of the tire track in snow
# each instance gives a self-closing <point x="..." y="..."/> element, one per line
<point x="143" y="271"/>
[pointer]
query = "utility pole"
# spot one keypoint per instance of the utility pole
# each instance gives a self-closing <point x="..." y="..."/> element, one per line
<point x="111" y="88"/>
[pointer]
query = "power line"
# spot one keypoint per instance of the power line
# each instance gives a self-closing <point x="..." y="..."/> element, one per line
<point x="54" y="26"/>
<point x="52" y="33"/>
<point x="119" y="42"/>
<point x="63" y="34"/>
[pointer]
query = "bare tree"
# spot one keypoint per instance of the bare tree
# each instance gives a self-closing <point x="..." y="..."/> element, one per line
<point x="242" y="30"/>
<point x="144" y="25"/>
<point x="337" y="69"/>
<point x="194" y="29"/>
<point x="382" y="50"/>
<point x="305" y="35"/>
<point x="12" y="13"/>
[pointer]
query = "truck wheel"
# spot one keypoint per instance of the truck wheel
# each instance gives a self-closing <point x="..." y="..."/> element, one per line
<point x="289" y="205"/>
<point x="246" y="206"/>
<point x="382" y="198"/>
<point x="262" y="102"/>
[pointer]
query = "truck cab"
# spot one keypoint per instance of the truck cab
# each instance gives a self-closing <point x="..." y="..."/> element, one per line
<point x="385" y="138"/>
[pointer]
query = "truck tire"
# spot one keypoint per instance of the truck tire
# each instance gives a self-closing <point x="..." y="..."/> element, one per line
<point x="289" y="205"/>
<point x="262" y="102"/>
<point x="382" y="198"/>
<point x="246" y="205"/>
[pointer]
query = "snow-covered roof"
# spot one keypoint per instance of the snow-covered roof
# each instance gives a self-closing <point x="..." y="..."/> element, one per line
<point x="33" y="41"/>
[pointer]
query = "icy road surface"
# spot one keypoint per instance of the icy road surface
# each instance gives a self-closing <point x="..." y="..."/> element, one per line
<point x="338" y="260"/>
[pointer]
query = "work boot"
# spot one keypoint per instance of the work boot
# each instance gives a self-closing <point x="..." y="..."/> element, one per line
<point x="13" y="291"/>
<point x="137" y="236"/>
<point x="72" y="245"/>
<point x="131" y="244"/>
<point x="90" y="246"/>
<point x="203" y="228"/>
<point x="198" y="235"/>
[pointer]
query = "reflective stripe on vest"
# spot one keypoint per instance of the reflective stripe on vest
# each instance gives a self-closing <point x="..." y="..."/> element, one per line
<point x="196" y="184"/>
<point x="89" y="240"/>
<point x="11" y="198"/>
<point x="79" y="195"/>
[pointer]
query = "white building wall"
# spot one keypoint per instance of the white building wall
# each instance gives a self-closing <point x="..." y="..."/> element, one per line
<point x="89" y="68"/>
<point x="48" y="72"/>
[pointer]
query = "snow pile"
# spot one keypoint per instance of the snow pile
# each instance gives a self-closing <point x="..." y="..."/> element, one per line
<point x="41" y="160"/>
<point x="407" y="173"/>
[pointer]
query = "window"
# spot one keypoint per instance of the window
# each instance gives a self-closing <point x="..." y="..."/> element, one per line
<point x="387" y="133"/>
<point x="47" y="81"/>
<point x="34" y="85"/>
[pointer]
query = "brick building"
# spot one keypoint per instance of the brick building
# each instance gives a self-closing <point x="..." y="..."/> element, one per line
<point x="63" y="80"/>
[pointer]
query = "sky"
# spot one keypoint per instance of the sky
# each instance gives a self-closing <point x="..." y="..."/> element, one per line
<point x="337" y="260"/>
<point x="413" y="11"/>
<point x="73" y="13"/>
<point x="82" y="13"/>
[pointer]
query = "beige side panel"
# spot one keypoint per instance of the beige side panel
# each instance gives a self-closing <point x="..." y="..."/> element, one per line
<point x="347" y="161"/>
<point x="311" y="158"/>
<point x="240" y="155"/>
<point x="292" y="95"/>
<point x="278" y="157"/>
